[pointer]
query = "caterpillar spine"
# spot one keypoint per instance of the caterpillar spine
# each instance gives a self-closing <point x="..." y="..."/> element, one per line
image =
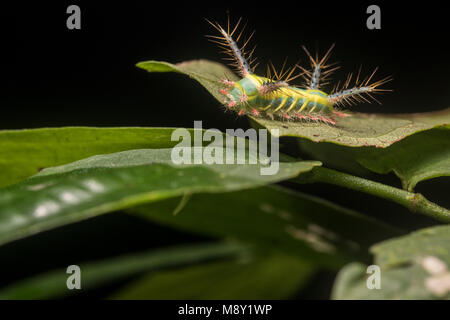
<point x="274" y="97"/>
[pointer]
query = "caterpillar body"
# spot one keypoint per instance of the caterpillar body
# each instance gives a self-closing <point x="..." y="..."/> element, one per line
<point x="274" y="97"/>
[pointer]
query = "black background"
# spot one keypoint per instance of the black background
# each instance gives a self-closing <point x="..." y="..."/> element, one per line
<point x="58" y="77"/>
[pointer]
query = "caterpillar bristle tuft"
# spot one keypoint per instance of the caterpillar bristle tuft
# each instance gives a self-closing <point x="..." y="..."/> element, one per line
<point x="274" y="97"/>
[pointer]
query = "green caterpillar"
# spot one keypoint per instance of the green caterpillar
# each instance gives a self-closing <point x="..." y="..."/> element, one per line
<point x="273" y="97"/>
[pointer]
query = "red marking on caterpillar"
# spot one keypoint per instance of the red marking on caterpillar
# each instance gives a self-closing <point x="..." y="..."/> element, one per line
<point x="227" y="82"/>
<point x="273" y="96"/>
<point x="341" y="114"/>
<point x="286" y="116"/>
<point x="255" y="112"/>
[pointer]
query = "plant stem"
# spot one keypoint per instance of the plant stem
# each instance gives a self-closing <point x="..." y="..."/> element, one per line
<point x="413" y="201"/>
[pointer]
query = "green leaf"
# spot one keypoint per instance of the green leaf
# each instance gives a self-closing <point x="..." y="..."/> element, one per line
<point x="379" y="130"/>
<point x="271" y="217"/>
<point x="26" y="152"/>
<point x="402" y="283"/>
<point x="95" y="274"/>
<point x="106" y="183"/>
<point x="423" y="156"/>
<point x="415" y="266"/>
<point x="433" y="241"/>
<point x="362" y="130"/>
<point x="335" y="156"/>
<point x="206" y="72"/>
<point x="268" y="276"/>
